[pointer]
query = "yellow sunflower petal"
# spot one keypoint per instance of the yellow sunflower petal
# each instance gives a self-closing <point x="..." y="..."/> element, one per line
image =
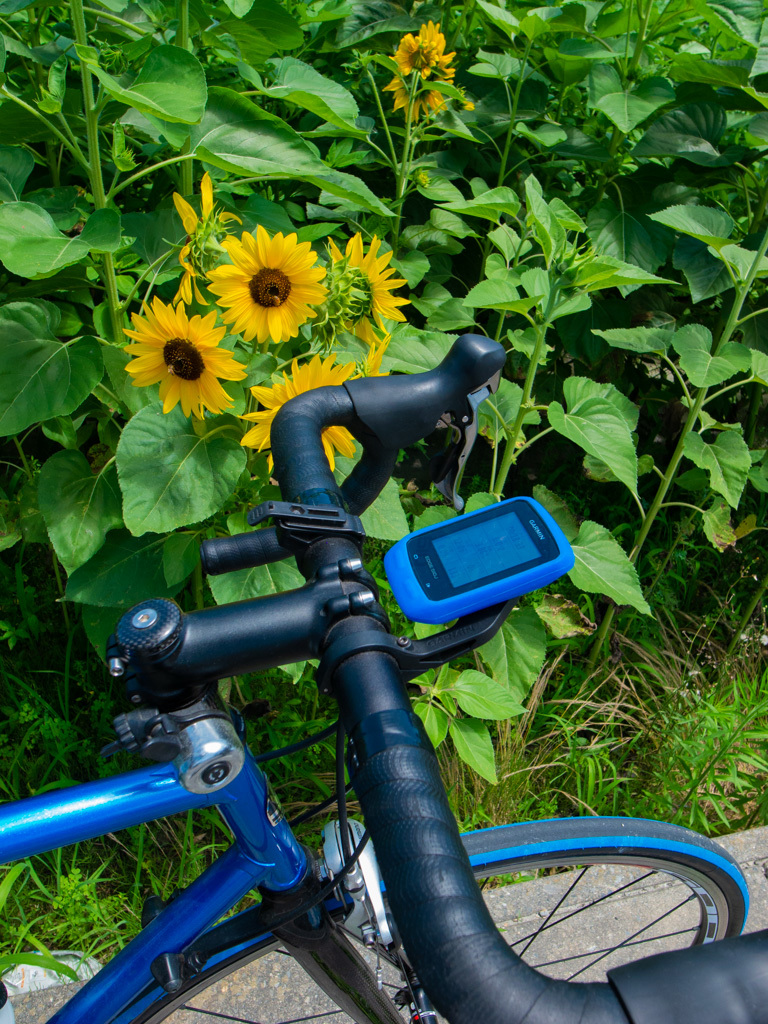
<point x="188" y="216"/>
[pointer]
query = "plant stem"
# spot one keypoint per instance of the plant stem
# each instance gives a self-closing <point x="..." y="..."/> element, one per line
<point x="755" y="401"/>
<point x="155" y="167"/>
<point x="404" y="162"/>
<point x="108" y="16"/>
<point x="748" y="611"/>
<point x="94" y="167"/>
<point x="182" y="41"/>
<point x="510" y="447"/>
<point x="60" y="586"/>
<point x="23" y="457"/>
<point x="667" y="479"/>
<point x="383" y="119"/>
<point x="759" y="211"/>
<point x="75" y="150"/>
<point x="513" y="113"/>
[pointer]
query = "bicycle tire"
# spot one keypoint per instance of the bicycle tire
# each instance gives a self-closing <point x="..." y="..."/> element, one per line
<point x="667" y="857"/>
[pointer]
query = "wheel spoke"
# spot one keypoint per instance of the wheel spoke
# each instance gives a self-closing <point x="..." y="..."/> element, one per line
<point x="630" y="937"/>
<point x="250" y="1020"/>
<point x="587" y="906"/>
<point x="554" y="909"/>
<point x="638" y="942"/>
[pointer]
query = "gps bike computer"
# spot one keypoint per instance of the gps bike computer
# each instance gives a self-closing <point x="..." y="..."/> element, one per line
<point x="476" y="560"/>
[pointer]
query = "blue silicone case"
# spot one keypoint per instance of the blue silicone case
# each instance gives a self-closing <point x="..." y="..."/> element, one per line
<point x="417" y="606"/>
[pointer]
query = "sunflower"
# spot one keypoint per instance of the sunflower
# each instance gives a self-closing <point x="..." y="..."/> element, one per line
<point x="183" y="356"/>
<point x="425" y="53"/>
<point x="378" y="285"/>
<point x="203" y="236"/>
<point x="316" y="374"/>
<point x="270" y="287"/>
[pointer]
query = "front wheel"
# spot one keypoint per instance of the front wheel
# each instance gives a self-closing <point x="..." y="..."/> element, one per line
<point x="608" y="891"/>
<point x="604" y="892"/>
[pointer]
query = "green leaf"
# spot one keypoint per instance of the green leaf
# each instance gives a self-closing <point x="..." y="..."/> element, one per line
<point x="691" y="132"/>
<point x="498" y="411"/>
<point x="385" y="519"/>
<point x="695" y="67"/>
<point x="412" y="266"/>
<point x="760" y="366"/>
<point x="716" y="521"/>
<point x="238" y="136"/>
<point x="546" y="135"/>
<point x="435" y="721"/>
<point x="490" y="205"/>
<point x="244" y="584"/>
<point x="558" y="509"/>
<point x="546" y="227"/>
<point x="499" y="292"/>
<point x="42" y="377"/>
<point x="169" y="475"/>
<point x="609" y="272"/>
<point x="15" y="167"/>
<point x="563" y="617"/>
<point x="706" y="223"/>
<point x="597" y="426"/>
<point x="705" y="273"/>
<point x="299" y="83"/>
<point x="170" y="85"/>
<point x="124" y="570"/>
<point x="629" y="108"/>
<point x="260" y="31"/>
<point x="499" y="17"/>
<point x="482" y="697"/>
<point x="79" y="506"/>
<point x="115" y="360"/>
<point x="602" y="567"/>
<point x="741" y="260"/>
<point x="181" y="553"/>
<point x="473" y="745"/>
<point x="414" y="351"/>
<point x="693" y="343"/>
<point x="637" y="339"/>
<point x="627" y="235"/>
<point x="516" y="654"/>
<point x="370" y="18"/>
<point x="741" y="19"/>
<point x="726" y="460"/>
<point x="579" y="146"/>
<point x="31" y="244"/>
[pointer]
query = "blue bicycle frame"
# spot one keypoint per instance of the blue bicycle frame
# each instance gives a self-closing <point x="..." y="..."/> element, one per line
<point x="262" y="853"/>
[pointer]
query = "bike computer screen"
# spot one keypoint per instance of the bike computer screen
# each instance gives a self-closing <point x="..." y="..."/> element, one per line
<point x="476" y="560"/>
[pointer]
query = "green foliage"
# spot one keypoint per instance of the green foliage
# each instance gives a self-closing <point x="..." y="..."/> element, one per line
<point x="589" y="189"/>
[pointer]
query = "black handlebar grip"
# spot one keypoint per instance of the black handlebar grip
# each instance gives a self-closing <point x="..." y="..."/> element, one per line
<point x="301" y="465"/>
<point x="366" y="481"/>
<point x="244" y="551"/>
<point x="723" y="982"/>
<point x="466" y="967"/>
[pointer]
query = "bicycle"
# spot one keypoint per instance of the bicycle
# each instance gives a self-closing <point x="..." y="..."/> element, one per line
<point x="427" y="918"/>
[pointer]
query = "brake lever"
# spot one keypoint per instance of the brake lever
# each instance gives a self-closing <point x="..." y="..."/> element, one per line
<point x="447" y="469"/>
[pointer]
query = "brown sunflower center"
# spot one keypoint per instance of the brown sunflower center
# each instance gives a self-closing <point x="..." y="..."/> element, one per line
<point x="269" y="287"/>
<point x="182" y="359"/>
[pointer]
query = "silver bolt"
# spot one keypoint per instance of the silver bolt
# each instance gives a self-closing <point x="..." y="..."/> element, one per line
<point x="403" y="641"/>
<point x="144" y="618"/>
<point x="116" y="667"/>
<point x="135" y="698"/>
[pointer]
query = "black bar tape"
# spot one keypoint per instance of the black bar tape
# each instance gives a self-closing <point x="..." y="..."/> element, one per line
<point x="225" y="554"/>
<point x="301" y="464"/>
<point x="465" y="965"/>
<point x="721" y="982"/>
<point x="367" y="480"/>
